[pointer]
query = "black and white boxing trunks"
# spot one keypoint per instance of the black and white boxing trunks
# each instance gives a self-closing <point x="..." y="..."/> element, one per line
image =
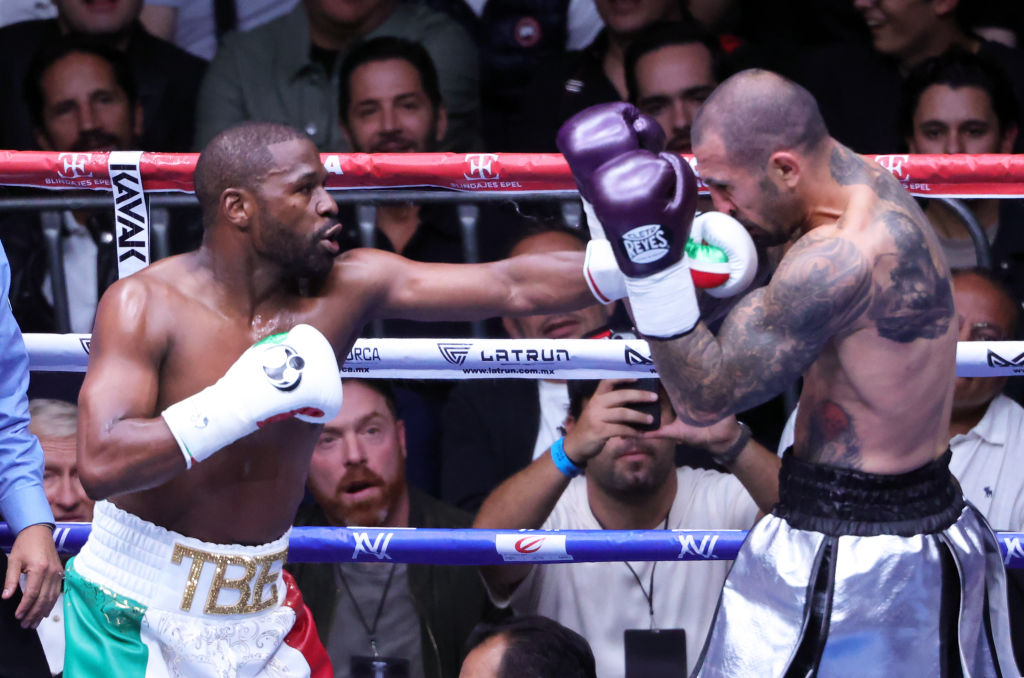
<point x="867" y="575"/>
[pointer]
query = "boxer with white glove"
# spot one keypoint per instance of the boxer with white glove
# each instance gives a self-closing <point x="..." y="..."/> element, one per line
<point x="292" y="374"/>
<point x="720" y="254"/>
<point x="646" y="203"/>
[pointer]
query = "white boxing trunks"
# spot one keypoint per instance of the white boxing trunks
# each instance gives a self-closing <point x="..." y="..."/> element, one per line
<point x="141" y="600"/>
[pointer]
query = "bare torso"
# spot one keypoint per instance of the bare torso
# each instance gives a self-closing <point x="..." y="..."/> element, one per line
<point x="879" y="396"/>
<point x="249" y="491"/>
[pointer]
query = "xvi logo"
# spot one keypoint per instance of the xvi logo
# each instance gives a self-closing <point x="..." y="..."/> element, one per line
<point x="377" y="548"/>
<point x="1014" y="551"/>
<point x="74" y="165"/>
<point x="705" y="549"/>
<point x="996" y="360"/>
<point x="454" y="353"/>
<point x="480" y="167"/>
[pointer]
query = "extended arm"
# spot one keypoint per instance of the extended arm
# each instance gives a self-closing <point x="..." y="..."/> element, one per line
<point x="524" y="285"/>
<point x="772" y="336"/>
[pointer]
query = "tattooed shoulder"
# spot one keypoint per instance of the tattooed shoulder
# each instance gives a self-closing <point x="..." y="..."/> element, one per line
<point x="915" y="299"/>
<point x="848" y="168"/>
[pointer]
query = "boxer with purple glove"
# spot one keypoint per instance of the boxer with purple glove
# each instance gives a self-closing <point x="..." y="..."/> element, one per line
<point x="647" y="203"/>
<point x="726" y="264"/>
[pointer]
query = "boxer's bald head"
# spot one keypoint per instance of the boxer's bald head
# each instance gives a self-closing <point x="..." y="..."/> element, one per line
<point x="756" y="113"/>
<point x="238" y="157"/>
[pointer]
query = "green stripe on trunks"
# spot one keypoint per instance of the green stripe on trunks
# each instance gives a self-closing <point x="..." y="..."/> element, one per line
<point x="102" y="630"/>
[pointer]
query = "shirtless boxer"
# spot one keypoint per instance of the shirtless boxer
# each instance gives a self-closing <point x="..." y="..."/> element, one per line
<point x="193" y="449"/>
<point x="871" y="564"/>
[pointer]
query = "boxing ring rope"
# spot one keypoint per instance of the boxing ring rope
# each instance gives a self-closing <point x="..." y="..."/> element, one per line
<point x="500" y="547"/>
<point x="506" y="358"/>
<point x="496" y="176"/>
<point x="953" y="176"/>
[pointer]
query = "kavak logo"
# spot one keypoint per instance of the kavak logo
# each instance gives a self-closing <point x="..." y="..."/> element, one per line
<point x="996" y="360"/>
<point x="531" y="546"/>
<point x="896" y="164"/>
<point x="74" y="165"/>
<point x="704" y="550"/>
<point x="131" y="213"/>
<point x="480" y="167"/>
<point x="454" y="353"/>
<point x="634" y="357"/>
<point x="377" y="548"/>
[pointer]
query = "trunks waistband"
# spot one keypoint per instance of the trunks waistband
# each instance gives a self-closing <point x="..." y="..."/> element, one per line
<point x="166" y="570"/>
<point x="841" y="501"/>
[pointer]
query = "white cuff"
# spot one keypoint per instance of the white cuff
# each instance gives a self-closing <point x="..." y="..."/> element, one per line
<point x="602" y="273"/>
<point x="664" y="304"/>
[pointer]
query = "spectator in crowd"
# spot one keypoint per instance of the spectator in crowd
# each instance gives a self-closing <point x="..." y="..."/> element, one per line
<point x="167" y="76"/>
<point x="593" y="75"/>
<point x="287" y="70"/>
<point x="421" y="614"/>
<point x="55" y="423"/>
<point x="23" y="507"/>
<point x="492" y="428"/>
<point x="858" y="87"/>
<point x="630" y="482"/>
<point x="532" y="646"/>
<point x="199" y="26"/>
<point x="81" y="98"/>
<point x="671" y="69"/>
<point x="390" y="102"/>
<point x="516" y="37"/>
<point x="960" y="102"/>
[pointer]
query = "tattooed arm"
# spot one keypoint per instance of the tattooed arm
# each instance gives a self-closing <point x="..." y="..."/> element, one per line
<point x="822" y="286"/>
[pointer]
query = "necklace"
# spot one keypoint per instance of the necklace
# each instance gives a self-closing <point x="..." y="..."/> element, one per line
<point x="371" y="631"/>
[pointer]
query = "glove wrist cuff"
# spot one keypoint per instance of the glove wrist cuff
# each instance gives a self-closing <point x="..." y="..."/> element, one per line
<point x="665" y="303"/>
<point x="601" y="272"/>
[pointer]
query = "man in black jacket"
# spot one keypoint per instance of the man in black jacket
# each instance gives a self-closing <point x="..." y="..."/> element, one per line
<point x="168" y="76"/>
<point x="420" y="615"/>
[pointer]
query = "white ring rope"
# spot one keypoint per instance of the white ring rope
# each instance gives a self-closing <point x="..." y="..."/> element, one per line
<point x="507" y="358"/>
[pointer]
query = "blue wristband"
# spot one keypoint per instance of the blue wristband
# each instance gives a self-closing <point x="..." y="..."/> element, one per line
<point x="562" y="462"/>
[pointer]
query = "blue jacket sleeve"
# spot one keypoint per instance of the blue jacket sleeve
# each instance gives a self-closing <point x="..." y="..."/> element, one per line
<point x="22" y="499"/>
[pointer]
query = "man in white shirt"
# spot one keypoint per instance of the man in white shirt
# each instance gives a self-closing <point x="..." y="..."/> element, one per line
<point x="987" y="428"/>
<point x="630" y="482"/>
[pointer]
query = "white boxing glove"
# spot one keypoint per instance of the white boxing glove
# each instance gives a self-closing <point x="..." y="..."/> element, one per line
<point x="292" y="374"/>
<point x="721" y="232"/>
<point x="720" y="254"/>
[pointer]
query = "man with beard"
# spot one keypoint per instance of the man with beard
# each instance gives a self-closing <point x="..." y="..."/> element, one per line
<point x="357" y="477"/>
<point x="82" y="98"/>
<point x="671" y="69"/>
<point x="390" y="102"/>
<point x="861" y="308"/>
<point x="198" y="476"/>
<point x="492" y="428"/>
<point x="629" y="482"/>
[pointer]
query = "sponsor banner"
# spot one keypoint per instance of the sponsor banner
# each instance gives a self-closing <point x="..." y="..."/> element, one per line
<point x="924" y="175"/>
<point x="990" y="358"/>
<point x="131" y="214"/>
<point x="531" y="546"/>
<point x="507" y="358"/>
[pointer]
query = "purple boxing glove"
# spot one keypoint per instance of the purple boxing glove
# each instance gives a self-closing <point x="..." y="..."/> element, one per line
<point x="595" y="135"/>
<point x="646" y="203"/>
